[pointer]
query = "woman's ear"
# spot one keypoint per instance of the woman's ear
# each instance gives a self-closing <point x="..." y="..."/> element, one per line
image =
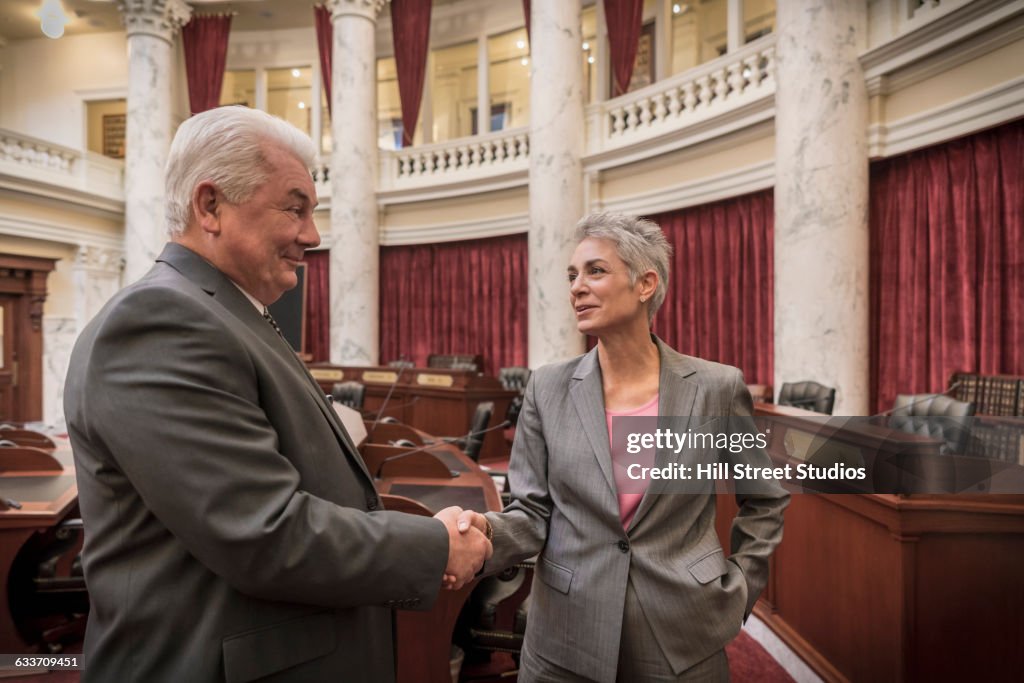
<point x="206" y="207"/>
<point x="647" y="284"/>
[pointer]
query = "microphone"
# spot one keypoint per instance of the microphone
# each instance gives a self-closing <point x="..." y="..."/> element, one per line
<point x="391" y="389"/>
<point x="427" y="447"/>
<point x="952" y="387"/>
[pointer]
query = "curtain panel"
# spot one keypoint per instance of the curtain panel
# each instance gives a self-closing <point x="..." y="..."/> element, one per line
<point x="318" y="305"/>
<point x="205" y="43"/>
<point x="325" y="45"/>
<point x="410" y="32"/>
<point x="455" y="297"/>
<point x="624" y="19"/>
<point x="721" y="283"/>
<point x="947" y="263"/>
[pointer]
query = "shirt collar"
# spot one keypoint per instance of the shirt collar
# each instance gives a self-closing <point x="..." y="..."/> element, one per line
<point x="253" y="300"/>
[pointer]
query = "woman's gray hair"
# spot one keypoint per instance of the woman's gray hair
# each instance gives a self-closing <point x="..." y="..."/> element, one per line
<point x="640" y="243"/>
<point x="226" y="147"/>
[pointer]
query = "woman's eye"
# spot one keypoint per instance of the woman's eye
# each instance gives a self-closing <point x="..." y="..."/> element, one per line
<point x="572" y="277"/>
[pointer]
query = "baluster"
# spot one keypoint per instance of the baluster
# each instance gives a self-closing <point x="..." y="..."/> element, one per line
<point x="689" y="96"/>
<point x="660" y="110"/>
<point x="721" y="85"/>
<point x="475" y="157"/>
<point x="704" y="93"/>
<point x="499" y="151"/>
<point x="674" y="104"/>
<point x="618" y="120"/>
<point x="522" y="146"/>
<point x="735" y="78"/>
<point x="769" y="63"/>
<point x="631" y="116"/>
<point x="752" y="70"/>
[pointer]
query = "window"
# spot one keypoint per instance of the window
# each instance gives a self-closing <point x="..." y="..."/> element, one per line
<point x="698" y="33"/>
<point x="289" y="96"/>
<point x="389" y="106"/>
<point x="239" y="87"/>
<point x="453" y="87"/>
<point x="758" y="19"/>
<point x="508" y="56"/>
<point x="105" y="122"/>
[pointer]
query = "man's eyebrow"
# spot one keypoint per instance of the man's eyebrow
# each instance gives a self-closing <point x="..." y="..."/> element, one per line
<point x="302" y="196"/>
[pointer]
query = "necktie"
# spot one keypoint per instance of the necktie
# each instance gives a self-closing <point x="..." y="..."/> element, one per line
<point x="273" y="323"/>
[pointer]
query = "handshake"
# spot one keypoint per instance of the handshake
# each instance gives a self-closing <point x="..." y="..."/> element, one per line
<point x="469" y="545"/>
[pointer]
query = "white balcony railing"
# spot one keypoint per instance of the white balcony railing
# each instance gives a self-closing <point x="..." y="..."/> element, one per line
<point x="706" y="91"/>
<point x="48" y="163"/>
<point x="498" y="153"/>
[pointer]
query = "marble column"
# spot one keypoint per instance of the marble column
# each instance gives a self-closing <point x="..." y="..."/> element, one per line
<point x="354" y="262"/>
<point x="151" y="26"/>
<point x="821" y="199"/>
<point x="556" y="176"/>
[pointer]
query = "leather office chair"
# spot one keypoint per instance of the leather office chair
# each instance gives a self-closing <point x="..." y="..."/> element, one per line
<point x="474" y="440"/>
<point x="514" y="379"/>
<point x="934" y="415"/>
<point x="808" y="395"/>
<point x="495" y="616"/>
<point x="349" y="394"/>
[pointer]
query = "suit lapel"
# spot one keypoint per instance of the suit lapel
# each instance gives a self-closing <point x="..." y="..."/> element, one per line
<point x="218" y="286"/>
<point x="677" y="393"/>
<point x="588" y="399"/>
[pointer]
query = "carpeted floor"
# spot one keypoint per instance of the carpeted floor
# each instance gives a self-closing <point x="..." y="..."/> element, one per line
<point x="748" y="663"/>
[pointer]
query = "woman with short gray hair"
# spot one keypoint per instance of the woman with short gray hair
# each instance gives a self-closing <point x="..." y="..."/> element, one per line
<point x="629" y="585"/>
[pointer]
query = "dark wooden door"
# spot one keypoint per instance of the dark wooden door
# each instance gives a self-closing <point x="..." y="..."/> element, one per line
<point x="8" y="356"/>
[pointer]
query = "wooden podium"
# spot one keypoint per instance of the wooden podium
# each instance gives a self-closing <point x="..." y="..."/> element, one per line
<point x="438" y="401"/>
<point x="887" y="587"/>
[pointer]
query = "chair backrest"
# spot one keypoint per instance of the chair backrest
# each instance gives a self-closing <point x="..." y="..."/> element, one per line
<point x="474" y="440"/>
<point x="447" y="361"/>
<point x="349" y="394"/>
<point x="514" y="378"/>
<point x="401" y="364"/>
<point x="808" y="395"/>
<point x="934" y="415"/>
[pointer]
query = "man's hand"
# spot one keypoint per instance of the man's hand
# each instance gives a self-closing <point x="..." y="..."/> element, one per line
<point x="468" y="547"/>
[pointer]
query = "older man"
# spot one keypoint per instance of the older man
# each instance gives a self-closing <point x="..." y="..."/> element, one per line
<point x="232" y="531"/>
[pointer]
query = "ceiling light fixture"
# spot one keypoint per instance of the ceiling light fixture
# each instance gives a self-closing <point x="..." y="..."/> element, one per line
<point x="524" y="61"/>
<point x="52" y="18"/>
<point x="676" y="9"/>
<point x="586" y="45"/>
<point x="302" y="105"/>
<point x="296" y="73"/>
<point x="520" y="44"/>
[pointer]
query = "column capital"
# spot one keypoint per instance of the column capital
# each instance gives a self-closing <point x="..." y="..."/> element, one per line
<point x="158" y="18"/>
<point x="368" y="9"/>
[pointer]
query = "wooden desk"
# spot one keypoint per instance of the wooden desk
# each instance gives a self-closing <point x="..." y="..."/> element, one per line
<point x="47" y="494"/>
<point x="424" y="638"/>
<point x="880" y="587"/>
<point x="435" y="400"/>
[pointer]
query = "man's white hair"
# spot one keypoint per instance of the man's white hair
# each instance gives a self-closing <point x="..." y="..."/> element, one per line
<point x="225" y="146"/>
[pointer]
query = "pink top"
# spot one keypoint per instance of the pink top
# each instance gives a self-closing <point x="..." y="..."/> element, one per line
<point x="629" y="502"/>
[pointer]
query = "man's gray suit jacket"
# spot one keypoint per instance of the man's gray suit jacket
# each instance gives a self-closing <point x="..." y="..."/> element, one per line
<point x="232" y="531"/>
<point x="565" y="507"/>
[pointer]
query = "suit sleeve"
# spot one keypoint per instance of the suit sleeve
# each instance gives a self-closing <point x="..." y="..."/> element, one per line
<point x="757" y="528"/>
<point x="173" y="398"/>
<point x="521" y="529"/>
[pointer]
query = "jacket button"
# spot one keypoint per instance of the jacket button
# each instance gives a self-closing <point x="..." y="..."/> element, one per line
<point x="624" y="546"/>
<point x="371" y="504"/>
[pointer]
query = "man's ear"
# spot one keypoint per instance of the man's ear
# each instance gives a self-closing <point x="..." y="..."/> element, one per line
<point x="206" y="207"/>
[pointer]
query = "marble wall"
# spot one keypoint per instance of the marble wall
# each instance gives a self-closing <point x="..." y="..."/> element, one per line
<point x="59" y="334"/>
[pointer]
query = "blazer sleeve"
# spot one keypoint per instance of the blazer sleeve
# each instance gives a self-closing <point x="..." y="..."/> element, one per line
<point x="521" y="529"/>
<point x="757" y="527"/>
<point x="173" y="399"/>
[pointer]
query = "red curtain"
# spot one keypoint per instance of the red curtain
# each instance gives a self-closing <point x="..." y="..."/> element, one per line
<point x="720" y="301"/>
<point x="324" y="43"/>
<point x="624" y="19"/>
<point x="410" y="33"/>
<point x="318" y="305"/>
<point x="947" y="263"/>
<point x="455" y="297"/>
<point x="205" y="42"/>
<point x="526" y="13"/>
